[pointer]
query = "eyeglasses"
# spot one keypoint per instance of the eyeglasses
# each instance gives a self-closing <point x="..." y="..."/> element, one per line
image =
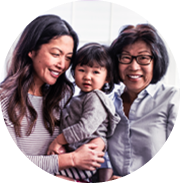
<point x="140" y="59"/>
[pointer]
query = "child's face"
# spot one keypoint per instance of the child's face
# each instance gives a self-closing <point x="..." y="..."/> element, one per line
<point x="90" y="78"/>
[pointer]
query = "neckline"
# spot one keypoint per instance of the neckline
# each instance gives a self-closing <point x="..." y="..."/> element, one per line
<point x="34" y="96"/>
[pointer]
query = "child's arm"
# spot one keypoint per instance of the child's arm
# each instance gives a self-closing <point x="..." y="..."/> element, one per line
<point x="92" y="116"/>
<point x="61" y="139"/>
<point x="56" y="147"/>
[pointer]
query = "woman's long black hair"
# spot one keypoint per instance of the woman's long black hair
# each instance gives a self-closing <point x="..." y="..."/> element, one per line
<point x="20" y="74"/>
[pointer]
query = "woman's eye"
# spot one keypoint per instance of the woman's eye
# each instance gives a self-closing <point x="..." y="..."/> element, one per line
<point x="143" y="57"/>
<point x="126" y="57"/>
<point x="68" y="58"/>
<point x="55" y="54"/>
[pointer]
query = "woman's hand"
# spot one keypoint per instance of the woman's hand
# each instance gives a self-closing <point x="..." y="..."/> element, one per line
<point x="55" y="148"/>
<point x="87" y="158"/>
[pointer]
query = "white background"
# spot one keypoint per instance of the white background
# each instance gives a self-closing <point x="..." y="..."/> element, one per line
<point x="100" y="21"/>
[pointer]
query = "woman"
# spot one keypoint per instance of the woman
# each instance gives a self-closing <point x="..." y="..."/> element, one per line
<point x="148" y="109"/>
<point x="36" y="89"/>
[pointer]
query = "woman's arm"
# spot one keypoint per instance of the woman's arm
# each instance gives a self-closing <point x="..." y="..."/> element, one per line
<point x="173" y="137"/>
<point x="56" y="146"/>
<point x="3" y="172"/>
<point x="85" y="157"/>
<point x="22" y="166"/>
<point x="60" y="140"/>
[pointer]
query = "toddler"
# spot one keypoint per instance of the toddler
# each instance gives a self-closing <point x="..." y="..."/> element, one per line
<point x="91" y="114"/>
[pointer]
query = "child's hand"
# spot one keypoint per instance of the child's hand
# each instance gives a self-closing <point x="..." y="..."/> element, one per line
<point x="55" y="148"/>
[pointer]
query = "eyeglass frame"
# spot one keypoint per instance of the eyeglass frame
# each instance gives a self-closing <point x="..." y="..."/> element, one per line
<point x="135" y="57"/>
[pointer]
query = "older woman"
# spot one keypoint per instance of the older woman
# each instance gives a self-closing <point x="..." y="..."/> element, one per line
<point x="36" y="89"/>
<point x="148" y="109"/>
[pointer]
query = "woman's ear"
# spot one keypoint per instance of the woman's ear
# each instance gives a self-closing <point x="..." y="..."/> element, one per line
<point x="31" y="54"/>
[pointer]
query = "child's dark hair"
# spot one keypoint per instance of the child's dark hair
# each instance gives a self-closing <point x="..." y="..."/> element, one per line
<point x="95" y="53"/>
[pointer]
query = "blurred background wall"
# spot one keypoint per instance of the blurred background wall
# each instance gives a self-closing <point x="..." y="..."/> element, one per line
<point x="98" y="21"/>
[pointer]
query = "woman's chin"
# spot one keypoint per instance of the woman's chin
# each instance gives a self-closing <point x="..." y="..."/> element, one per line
<point x="51" y="82"/>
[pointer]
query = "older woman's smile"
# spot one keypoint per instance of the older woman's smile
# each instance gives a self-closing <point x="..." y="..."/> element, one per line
<point x="136" y="77"/>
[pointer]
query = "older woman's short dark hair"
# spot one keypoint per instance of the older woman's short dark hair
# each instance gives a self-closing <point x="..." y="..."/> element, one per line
<point x="147" y="33"/>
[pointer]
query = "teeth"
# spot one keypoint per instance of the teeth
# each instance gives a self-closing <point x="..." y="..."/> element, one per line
<point x="55" y="73"/>
<point x="134" y="77"/>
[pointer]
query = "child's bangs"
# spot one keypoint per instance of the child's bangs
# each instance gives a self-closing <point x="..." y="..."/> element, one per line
<point x="93" y="60"/>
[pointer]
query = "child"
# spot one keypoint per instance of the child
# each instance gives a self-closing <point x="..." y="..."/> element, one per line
<point x="91" y="114"/>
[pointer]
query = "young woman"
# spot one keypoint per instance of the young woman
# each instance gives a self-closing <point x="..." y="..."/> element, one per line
<point x="36" y="89"/>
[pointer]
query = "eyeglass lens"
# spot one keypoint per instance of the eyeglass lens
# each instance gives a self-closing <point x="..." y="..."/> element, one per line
<point x="141" y="59"/>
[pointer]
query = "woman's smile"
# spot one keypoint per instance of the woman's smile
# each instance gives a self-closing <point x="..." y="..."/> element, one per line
<point x="136" y="77"/>
<point x="55" y="74"/>
<point x="51" y="60"/>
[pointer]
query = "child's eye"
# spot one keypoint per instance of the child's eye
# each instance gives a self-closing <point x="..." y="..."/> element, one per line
<point x="96" y="72"/>
<point x="81" y="70"/>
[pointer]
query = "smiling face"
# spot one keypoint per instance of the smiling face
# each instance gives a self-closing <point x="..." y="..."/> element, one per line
<point x="136" y="77"/>
<point x="90" y="78"/>
<point x="51" y="60"/>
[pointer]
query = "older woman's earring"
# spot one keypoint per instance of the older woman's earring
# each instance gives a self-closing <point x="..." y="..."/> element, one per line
<point x="106" y="87"/>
